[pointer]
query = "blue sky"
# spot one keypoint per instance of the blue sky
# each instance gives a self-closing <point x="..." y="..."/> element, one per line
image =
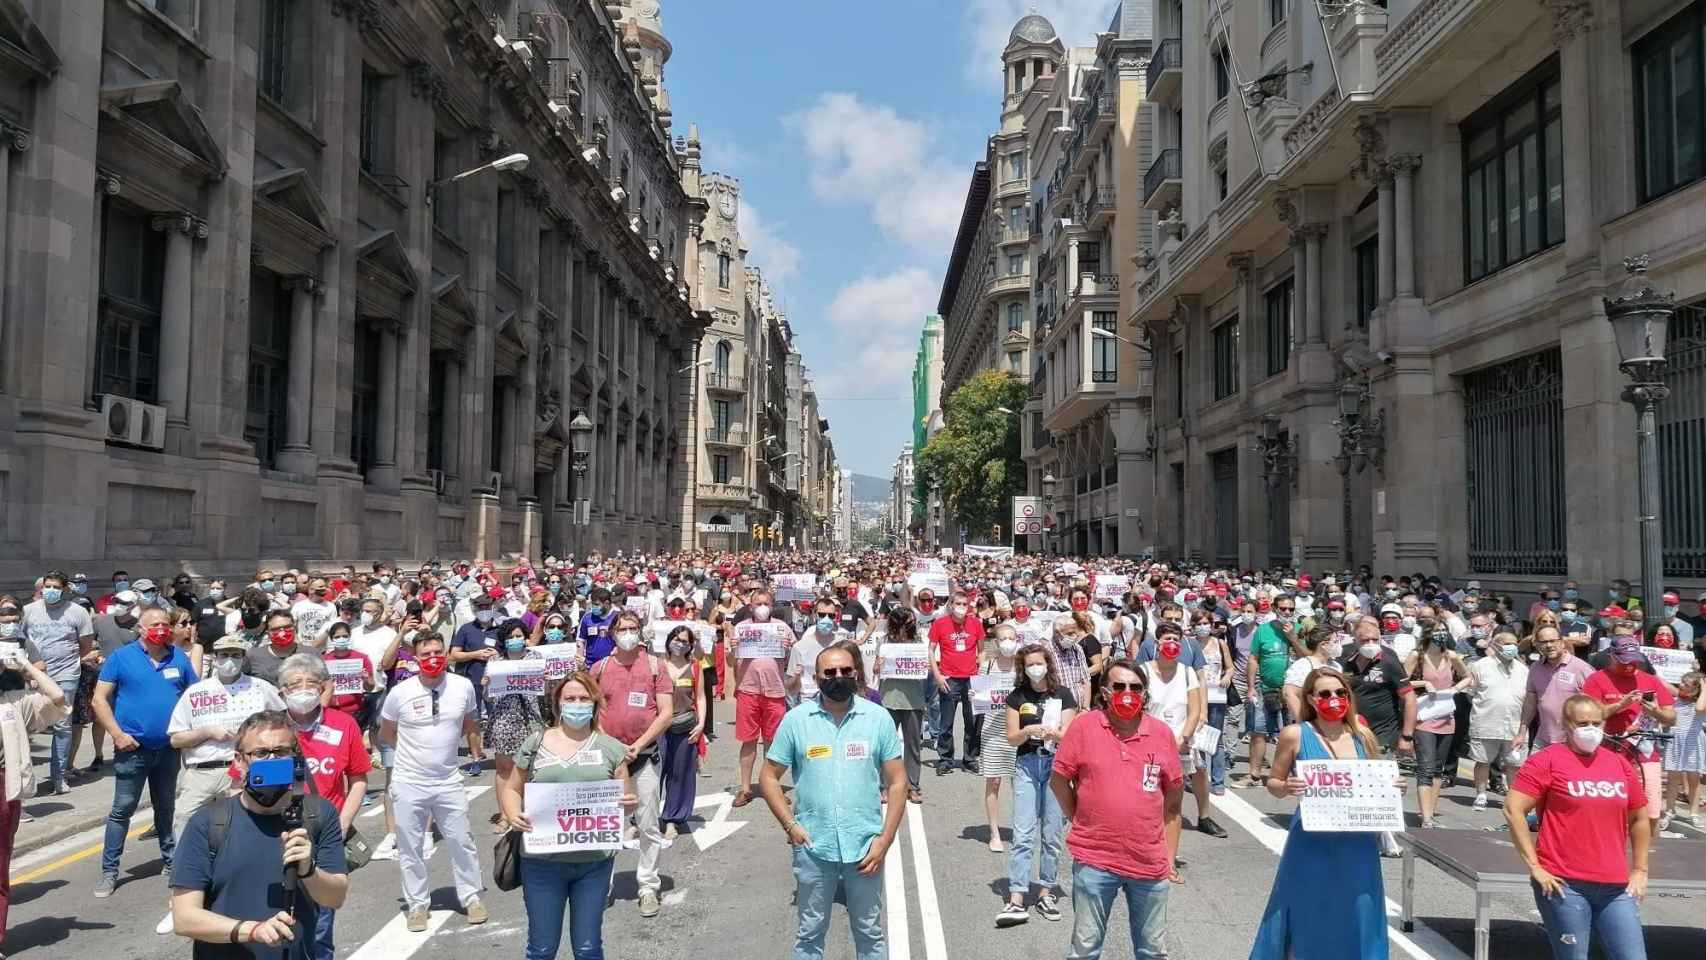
<point x="853" y="127"/>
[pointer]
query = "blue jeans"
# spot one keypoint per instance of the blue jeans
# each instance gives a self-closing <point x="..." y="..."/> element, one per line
<point x="1218" y="763"/>
<point x="932" y="723"/>
<point x="1034" y="803"/>
<point x="1093" y="893"/>
<point x="1585" y="909"/>
<point x="959" y="693"/>
<point x="816" y="882"/>
<point x="548" y="887"/>
<point x="1257" y="719"/>
<point x="59" y="753"/>
<point x="323" y="948"/>
<point x="132" y="770"/>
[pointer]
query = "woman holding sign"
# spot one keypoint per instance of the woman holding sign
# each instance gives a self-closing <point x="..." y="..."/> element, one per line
<point x="681" y="740"/>
<point x="997" y="759"/>
<point x="1294" y="924"/>
<point x="903" y="697"/>
<point x="512" y="717"/>
<point x="572" y="878"/>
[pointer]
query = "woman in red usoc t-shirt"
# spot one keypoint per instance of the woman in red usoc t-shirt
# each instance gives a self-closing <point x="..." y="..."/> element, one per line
<point x="1595" y="822"/>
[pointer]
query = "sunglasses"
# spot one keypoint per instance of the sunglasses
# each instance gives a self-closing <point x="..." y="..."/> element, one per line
<point x="270" y="753"/>
<point x="829" y="672"/>
<point x="1126" y="687"/>
<point x="1329" y="694"/>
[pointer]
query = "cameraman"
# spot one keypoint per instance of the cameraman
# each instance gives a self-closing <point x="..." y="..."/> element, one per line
<point x="219" y="900"/>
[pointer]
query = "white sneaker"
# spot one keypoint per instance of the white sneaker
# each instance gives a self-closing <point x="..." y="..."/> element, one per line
<point x="165" y="925"/>
<point x="428" y="850"/>
<point x="1480" y="801"/>
<point x="387" y="849"/>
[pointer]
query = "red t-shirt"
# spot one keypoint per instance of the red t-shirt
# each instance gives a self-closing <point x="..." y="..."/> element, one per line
<point x="958" y="643"/>
<point x="1608" y="688"/>
<point x="1122" y="787"/>
<point x="1584" y="834"/>
<point x="334" y="750"/>
<point x="632" y="695"/>
<point x="351" y="702"/>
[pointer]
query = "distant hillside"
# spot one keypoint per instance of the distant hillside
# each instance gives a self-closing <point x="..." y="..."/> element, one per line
<point x="868" y="488"/>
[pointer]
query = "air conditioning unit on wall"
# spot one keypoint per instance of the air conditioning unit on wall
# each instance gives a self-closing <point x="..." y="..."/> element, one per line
<point x="133" y="422"/>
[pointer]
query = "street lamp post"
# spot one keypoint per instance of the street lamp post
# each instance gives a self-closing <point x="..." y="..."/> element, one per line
<point x="1639" y="316"/>
<point x="515" y="161"/>
<point x="580" y="451"/>
<point x="1048" y="504"/>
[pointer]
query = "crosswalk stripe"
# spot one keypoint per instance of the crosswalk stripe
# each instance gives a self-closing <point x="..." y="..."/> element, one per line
<point x="929" y="910"/>
<point x="395" y="942"/>
<point x="894" y="903"/>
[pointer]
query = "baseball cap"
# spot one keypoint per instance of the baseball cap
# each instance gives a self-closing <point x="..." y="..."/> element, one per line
<point x="125" y="597"/>
<point x="1614" y="612"/>
<point x="1393" y="609"/>
<point x="1626" y="650"/>
<point x="230" y="642"/>
<point x="1672" y="597"/>
<point x="144" y="584"/>
<point x="1473" y="586"/>
<point x="79" y="578"/>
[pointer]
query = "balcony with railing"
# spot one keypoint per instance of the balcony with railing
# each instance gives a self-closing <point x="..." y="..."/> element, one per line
<point x="1162" y="184"/>
<point x="725" y="382"/>
<point x="1009" y="283"/>
<point x="1097" y="116"/>
<point x="1098" y="209"/>
<point x="727" y="435"/>
<point x="735" y="491"/>
<point x="1014" y="235"/>
<point x="1166" y="72"/>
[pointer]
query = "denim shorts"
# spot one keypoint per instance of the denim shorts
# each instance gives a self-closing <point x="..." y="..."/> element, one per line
<point x="1259" y="719"/>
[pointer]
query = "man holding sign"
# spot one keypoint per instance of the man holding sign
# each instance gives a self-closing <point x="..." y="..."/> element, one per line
<point x="761" y="652"/>
<point x="639" y="701"/>
<point x="204" y="726"/>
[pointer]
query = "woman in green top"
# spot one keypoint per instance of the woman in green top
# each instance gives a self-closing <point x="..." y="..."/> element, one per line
<point x="571" y="750"/>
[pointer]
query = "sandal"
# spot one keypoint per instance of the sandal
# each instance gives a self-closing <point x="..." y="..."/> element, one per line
<point x="1176" y="877"/>
<point x="915" y="796"/>
<point x="742" y="798"/>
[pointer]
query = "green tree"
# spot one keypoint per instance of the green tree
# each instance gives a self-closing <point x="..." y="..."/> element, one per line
<point x="973" y="461"/>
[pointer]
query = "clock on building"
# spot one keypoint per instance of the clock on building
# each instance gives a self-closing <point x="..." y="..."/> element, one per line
<point x="727" y="205"/>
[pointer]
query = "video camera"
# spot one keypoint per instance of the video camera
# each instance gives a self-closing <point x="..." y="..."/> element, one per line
<point x="291" y="773"/>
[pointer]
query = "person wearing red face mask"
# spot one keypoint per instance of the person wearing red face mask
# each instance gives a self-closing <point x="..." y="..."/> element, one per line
<point x="954" y="643"/>
<point x="1118" y="781"/>
<point x="1635" y="701"/>
<point x="1328" y="728"/>
<point x="139" y="687"/>
<point x="1176" y="696"/>
<point x="264" y="660"/>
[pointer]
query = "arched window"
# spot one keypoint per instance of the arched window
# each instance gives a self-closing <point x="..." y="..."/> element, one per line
<point x="725" y="352"/>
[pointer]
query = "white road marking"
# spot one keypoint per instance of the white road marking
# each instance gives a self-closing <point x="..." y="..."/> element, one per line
<point x="60" y="848"/>
<point x="929" y="911"/>
<point x="894" y="904"/>
<point x="1425" y="943"/>
<point x="395" y="942"/>
<point x="717" y="827"/>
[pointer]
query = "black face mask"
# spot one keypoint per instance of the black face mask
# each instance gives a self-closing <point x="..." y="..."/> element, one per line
<point x="266" y="796"/>
<point x="252" y="618"/>
<point x="838" y="689"/>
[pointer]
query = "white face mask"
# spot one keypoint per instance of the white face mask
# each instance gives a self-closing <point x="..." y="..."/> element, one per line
<point x="761" y="612"/>
<point x="1036" y="672"/>
<point x="1332" y="648"/>
<point x="366" y="619"/>
<point x="959" y="611"/>
<point x="1369" y="650"/>
<point x="1586" y="739"/>
<point x="1008" y="647"/>
<point x="627" y="640"/>
<point x="228" y="670"/>
<point x="302" y="701"/>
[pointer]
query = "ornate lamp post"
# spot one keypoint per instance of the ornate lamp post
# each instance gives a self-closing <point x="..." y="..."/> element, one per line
<point x="1049" y="483"/>
<point x="1639" y="316"/>
<point x="1362" y="437"/>
<point x="580" y="451"/>
<point x="1279" y="459"/>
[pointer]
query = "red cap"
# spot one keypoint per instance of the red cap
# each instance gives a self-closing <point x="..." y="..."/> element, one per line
<point x="1335" y="604"/>
<point x="1614" y="612"/>
<point x="1672" y="597"/>
<point x="496" y="593"/>
<point x="1220" y="589"/>
<point x="1303" y="581"/>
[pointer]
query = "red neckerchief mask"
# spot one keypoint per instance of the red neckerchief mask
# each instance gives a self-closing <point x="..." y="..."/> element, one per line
<point x="1021" y="613"/>
<point x="1170" y="649"/>
<point x="927" y="605"/>
<point x="159" y="635"/>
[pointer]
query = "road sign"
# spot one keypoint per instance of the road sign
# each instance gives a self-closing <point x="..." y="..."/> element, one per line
<point x="1027" y="516"/>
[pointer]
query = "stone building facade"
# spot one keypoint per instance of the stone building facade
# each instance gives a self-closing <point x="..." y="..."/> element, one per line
<point x="242" y="326"/>
<point x="1375" y="295"/>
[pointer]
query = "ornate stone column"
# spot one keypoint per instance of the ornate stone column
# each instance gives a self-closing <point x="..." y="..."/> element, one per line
<point x="452" y="425"/>
<point x="384" y="473"/>
<point x="1404" y="167"/>
<point x="1384" y="245"/>
<point x="176" y="316"/>
<point x="1314" y="328"/>
<point x="1574" y="24"/>
<point x="16" y="138"/>
<point x="298" y="456"/>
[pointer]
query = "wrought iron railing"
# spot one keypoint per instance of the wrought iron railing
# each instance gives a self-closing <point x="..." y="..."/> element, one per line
<point x="1166" y="167"/>
<point x="1514" y="438"/>
<point x="1682" y="445"/>
<point x="1167" y="57"/>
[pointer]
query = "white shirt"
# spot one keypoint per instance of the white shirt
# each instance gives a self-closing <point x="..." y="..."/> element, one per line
<point x="213" y="703"/>
<point x="427" y="744"/>
<point x="313" y="619"/>
<point x="372" y="642"/>
<point x="1302" y="667"/>
<point x="1170" y="700"/>
<point x="1495" y="705"/>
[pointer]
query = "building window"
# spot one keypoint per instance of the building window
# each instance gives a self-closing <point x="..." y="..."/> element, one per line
<point x="269" y="367"/>
<point x="375" y="122"/>
<point x="506" y="232"/>
<point x="437" y="366"/>
<point x="725" y="267"/>
<point x="1222" y="71"/>
<point x="1682" y="445"/>
<point x="180" y="12"/>
<point x="1015" y="317"/>
<point x="720" y="364"/>
<point x="1513" y="417"/>
<point x="277" y="20"/>
<point x="1225" y="337"/>
<point x="364" y="396"/>
<point x="133" y="264"/>
<point x="1278" y="330"/>
<point x="1015" y="166"/>
<point x="1276" y="12"/>
<point x="1670" y="113"/>
<point x="1220" y="184"/>
<point x="1015" y="363"/>
<point x="721" y="416"/>
<point x="1015" y="264"/>
<point x="1513" y="180"/>
<point x="1368" y="280"/>
<point x="719" y="468"/>
<point x="1016" y="219"/>
<point x="1104" y="351"/>
<point x="1179" y="382"/>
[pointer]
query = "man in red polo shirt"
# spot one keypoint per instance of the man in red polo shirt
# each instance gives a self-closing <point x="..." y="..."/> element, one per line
<point x="1119" y="783"/>
<point x="954" y="642"/>
<point x="638" y="706"/>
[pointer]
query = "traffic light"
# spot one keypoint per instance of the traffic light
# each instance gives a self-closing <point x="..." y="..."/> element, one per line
<point x="995" y="533"/>
<point x="758" y="531"/>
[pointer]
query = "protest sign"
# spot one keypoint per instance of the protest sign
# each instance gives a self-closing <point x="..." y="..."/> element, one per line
<point x="347" y="675"/>
<point x="661" y="629"/>
<point x="794" y="586"/>
<point x="936" y="583"/>
<point x="1207" y="738"/>
<point x="1110" y="587"/>
<point x="638" y="605"/>
<point x="754" y="640"/>
<point x="1359" y="796"/>
<point x="1669" y="664"/>
<point x="560" y="658"/>
<point x="223" y="707"/>
<point x="573" y="817"/>
<point x="989" y="693"/>
<point x="929" y="565"/>
<point x="905" y="661"/>
<point x="505" y="677"/>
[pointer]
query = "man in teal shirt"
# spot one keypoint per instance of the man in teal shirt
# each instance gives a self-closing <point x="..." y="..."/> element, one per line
<point x="842" y="750"/>
<point x="1264" y="704"/>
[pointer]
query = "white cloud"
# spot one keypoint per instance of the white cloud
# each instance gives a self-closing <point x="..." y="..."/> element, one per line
<point x="766" y="247"/>
<point x="875" y="321"/>
<point x="867" y="154"/>
<point x="721" y="154"/>
<point x="989" y="22"/>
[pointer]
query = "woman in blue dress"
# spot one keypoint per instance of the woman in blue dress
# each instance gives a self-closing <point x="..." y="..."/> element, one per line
<point x="1298" y="924"/>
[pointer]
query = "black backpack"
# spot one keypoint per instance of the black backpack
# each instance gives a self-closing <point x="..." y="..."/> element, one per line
<point x="219" y="822"/>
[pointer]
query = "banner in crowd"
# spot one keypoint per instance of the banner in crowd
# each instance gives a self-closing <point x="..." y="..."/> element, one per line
<point x="222" y="708"/>
<point x="791" y="587"/>
<point x="1359" y="796"/>
<point x="754" y="640"/>
<point x="559" y="658"/>
<point x="929" y="565"/>
<point x="347" y="675"/>
<point x="505" y="677"/>
<point x="661" y="629"/>
<point x="1112" y="588"/>
<point x="936" y="583"/>
<point x="573" y="817"/>
<point x="1669" y="665"/>
<point x="980" y="550"/>
<point x="989" y="695"/>
<point x="905" y="661"/>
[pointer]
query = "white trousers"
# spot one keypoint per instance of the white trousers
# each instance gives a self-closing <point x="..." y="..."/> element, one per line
<point x="416" y="807"/>
<point x="648" y="787"/>
<point x="197" y="789"/>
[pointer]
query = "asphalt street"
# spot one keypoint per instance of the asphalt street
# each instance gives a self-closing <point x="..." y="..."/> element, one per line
<point x="728" y="892"/>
